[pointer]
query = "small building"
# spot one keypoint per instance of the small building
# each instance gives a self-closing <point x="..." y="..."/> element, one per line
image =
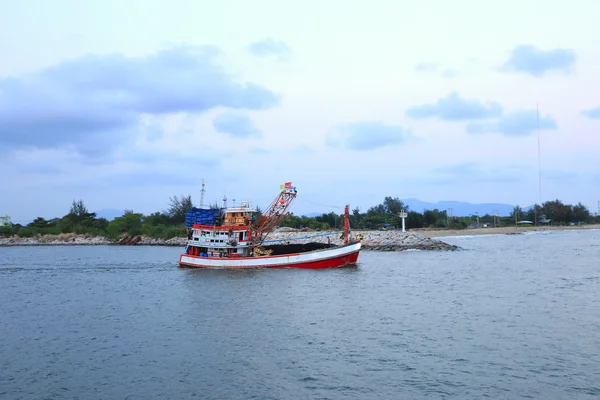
<point x="545" y="221"/>
<point x="4" y="220"/>
<point x="524" y="222"/>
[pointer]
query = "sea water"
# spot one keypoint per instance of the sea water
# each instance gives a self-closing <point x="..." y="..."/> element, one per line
<point x="509" y="316"/>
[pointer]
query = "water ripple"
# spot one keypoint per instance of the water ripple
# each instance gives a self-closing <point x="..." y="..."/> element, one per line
<point x="510" y="317"/>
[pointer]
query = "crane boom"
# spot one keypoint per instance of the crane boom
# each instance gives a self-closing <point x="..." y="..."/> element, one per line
<point x="274" y="213"/>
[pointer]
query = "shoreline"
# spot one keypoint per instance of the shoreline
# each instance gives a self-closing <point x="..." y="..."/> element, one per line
<point x="377" y="240"/>
<point x="372" y="240"/>
<point x="505" y="230"/>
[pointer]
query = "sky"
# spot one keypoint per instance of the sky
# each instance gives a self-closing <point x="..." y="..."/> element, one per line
<point x="126" y="104"/>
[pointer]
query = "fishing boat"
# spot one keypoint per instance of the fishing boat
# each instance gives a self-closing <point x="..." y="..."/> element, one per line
<point x="235" y="237"/>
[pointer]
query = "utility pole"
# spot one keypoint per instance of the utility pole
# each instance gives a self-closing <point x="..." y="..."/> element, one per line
<point x="202" y="195"/>
<point x="537" y="108"/>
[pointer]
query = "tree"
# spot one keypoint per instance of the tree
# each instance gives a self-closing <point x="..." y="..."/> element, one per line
<point x="178" y="208"/>
<point x="130" y="224"/>
<point x="39" y="222"/>
<point x="414" y="220"/>
<point x="100" y="224"/>
<point x="393" y="205"/>
<point x="557" y="211"/>
<point x="580" y="213"/>
<point x="429" y="218"/>
<point x="156" y="219"/>
<point x="79" y="213"/>
<point x="376" y="210"/>
<point x="355" y="217"/>
<point x="534" y="213"/>
<point x="517" y="212"/>
<point x="78" y="208"/>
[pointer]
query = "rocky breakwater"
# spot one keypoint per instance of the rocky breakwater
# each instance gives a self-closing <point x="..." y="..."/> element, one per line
<point x="63" y="239"/>
<point x="398" y="241"/>
<point x="372" y="240"/>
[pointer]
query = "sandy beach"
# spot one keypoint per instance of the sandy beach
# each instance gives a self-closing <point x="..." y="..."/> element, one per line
<point x="507" y="230"/>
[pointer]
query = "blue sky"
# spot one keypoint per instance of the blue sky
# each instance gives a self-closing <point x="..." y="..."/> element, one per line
<point x="124" y="104"/>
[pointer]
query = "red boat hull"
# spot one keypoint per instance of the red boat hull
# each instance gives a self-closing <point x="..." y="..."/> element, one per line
<point x="321" y="259"/>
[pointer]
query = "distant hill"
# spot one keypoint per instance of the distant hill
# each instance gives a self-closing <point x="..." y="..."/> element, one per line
<point x="109" y="213"/>
<point x="312" y="215"/>
<point x="461" y="209"/>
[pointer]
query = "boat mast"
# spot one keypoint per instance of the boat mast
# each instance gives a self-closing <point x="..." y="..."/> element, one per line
<point x="274" y="213"/>
<point x="346" y="223"/>
<point x="202" y="195"/>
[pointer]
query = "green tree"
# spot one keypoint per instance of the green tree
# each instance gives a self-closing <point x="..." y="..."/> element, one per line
<point x="130" y="224"/>
<point x="517" y="212"/>
<point x="65" y="225"/>
<point x="6" y="230"/>
<point x="557" y="211"/>
<point x="39" y="223"/>
<point x="534" y="213"/>
<point x="178" y="208"/>
<point x="156" y="219"/>
<point x="80" y="215"/>
<point x="393" y="205"/>
<point x="415" y="220"/>
<point x="580" y="213"/>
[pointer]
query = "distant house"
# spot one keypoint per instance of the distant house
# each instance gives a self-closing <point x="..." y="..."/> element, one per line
<point x="4" y="220"/>
<point x="475" y="225"/>
<point x="544" y="220"/>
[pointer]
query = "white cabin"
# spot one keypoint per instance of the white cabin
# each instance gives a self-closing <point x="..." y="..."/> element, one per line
<point x="4" y="220"/>
<point x="233" y="238"/>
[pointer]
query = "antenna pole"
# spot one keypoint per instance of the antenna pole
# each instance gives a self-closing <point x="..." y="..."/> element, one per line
<point x="202" y="195"/>
<point x="539" y="153"/>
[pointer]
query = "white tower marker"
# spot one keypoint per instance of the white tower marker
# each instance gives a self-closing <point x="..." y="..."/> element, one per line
<point x="402" y="214"/>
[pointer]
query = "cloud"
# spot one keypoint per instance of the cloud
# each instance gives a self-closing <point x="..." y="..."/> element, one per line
<point x="427" y="67"/>
<point x="449" y="73"/>
<point x="91" y="103"/>
<point x="455" y="108"/>
<point x="367" y="135"/>
<point x="593" y="113"/>
<point x="531" y="60"/>
<point x="236" y="125"/>
<point x="268" y="47"/>
<point x="516" y="123"/>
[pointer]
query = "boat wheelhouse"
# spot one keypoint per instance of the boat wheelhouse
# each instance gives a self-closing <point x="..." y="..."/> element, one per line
<point x="231" y="239"/>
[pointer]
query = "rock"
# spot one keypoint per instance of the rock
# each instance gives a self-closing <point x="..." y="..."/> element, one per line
<point x="372" y="240"/>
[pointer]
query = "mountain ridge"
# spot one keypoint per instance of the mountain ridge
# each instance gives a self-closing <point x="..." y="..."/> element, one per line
<point x="455" y="208"/>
